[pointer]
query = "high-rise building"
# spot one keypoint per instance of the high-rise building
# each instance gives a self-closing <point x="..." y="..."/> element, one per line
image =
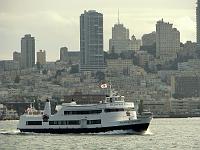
<point x="17" y="56"/>
<point x="91" y="41"/>
<point x="149" y="39"/>
<point x="28" y="51"/>
<point x="134" y="44"/>
<point x="167" y="41"/>
<point x="198" y="24"/>
<point x="120" y="39"/>
<point x="41" y="57"/>
<point x="63" y="54"/>
<point x="74" y="57"/>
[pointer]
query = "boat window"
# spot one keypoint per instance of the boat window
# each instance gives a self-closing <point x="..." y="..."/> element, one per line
<point x="51" y="122"/>
<point x="130" y="109"/>
<point x="33" y="122"/>
<point x="73" y="122"/>
<point x="118" y="109"/>
<point x="93" y="121"/>
<point x="113" y="109"/>
<point x="68" y="122"/>
<point x="83" y="112"/>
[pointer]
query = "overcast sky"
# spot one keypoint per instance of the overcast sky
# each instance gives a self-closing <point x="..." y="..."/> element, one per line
<point x="55" y="23"/>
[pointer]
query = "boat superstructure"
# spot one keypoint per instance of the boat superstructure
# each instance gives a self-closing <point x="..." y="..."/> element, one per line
<point x="111" y="114"/>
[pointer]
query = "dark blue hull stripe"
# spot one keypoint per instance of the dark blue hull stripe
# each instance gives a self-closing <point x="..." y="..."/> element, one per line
<point x="135" y="127"/>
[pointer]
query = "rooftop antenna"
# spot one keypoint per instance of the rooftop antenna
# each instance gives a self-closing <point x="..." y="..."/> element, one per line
<point x="118" y="17"/>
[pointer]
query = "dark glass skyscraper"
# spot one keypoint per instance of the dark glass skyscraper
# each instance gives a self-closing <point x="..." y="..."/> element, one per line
<point x="198" y="23"/>
<point x="27" y="51"/>
<point x="91" y="41"/>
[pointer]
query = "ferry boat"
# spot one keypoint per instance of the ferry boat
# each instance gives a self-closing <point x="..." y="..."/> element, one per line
<point x="109" y="115"/>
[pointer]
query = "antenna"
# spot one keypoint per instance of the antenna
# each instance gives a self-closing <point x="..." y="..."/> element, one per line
<point x="118" y="16"/>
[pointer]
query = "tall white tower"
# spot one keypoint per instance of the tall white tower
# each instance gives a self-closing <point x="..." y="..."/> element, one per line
<point x="167" y="41"/>
<point x="120" y="38"/>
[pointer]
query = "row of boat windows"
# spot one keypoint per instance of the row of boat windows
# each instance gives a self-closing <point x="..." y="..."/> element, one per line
<point x="33" y="122"/>
<point x="68" y="122"/>
<point x="85" y="112"/>
<point x="74" y="122"/>
<point x="117" y="109"/>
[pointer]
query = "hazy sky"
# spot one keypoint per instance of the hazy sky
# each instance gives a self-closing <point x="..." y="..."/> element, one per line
<point x="55" y="23"/>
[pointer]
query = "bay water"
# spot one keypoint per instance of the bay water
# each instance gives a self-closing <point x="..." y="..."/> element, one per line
<point x="163" y="134"/>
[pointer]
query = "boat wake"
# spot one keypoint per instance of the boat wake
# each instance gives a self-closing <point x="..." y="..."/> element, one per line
<point x="14" y="132"/>
<point x="9" y="132"/>
<point x="148" y="132"/>
<point x="122" y="132"/>
<point x="116" y="132"/>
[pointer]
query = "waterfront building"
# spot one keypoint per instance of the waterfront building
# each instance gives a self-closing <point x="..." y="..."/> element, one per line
<point x="2" y="111"/>
<point x="179" y="106"/>
<point x="27" y="51"/>
<point x="91" y="41"/>
<point x="160" y="108"/>
<point x="185" y="85"/>
<point x="64" y="54"/>
<point x="167" y="41"/>
<point x="41" y="57"/>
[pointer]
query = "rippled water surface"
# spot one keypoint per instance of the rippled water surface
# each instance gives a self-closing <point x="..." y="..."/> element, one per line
<point x="163" y="134"/>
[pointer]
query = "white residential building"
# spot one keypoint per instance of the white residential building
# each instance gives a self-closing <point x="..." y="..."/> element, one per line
<point x="120" y="39"/>
<point x="41" y="57"/>
<point x="167" y="41"/>
<point x="134" y="44"/>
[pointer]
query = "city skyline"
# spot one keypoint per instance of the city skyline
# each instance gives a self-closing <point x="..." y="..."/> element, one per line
<point x="60" y="26"/>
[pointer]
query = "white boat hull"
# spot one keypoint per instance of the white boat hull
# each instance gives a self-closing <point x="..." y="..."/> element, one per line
<point x="139" y="125"/>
